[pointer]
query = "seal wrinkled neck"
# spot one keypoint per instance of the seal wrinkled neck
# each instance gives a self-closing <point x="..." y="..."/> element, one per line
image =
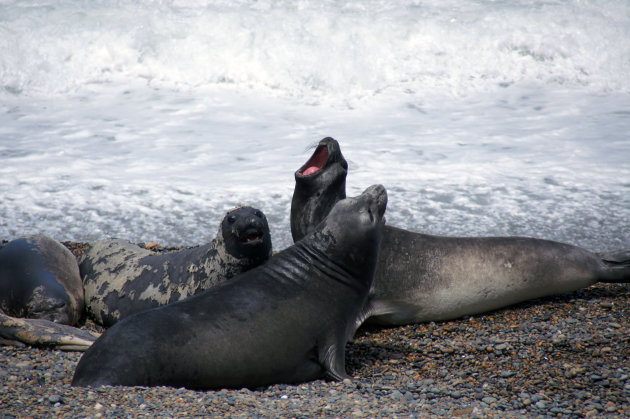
<point x="348" y="239"/>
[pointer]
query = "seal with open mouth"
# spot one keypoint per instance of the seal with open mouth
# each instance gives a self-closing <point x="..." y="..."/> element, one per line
<point x="321" y="179"/>
<point x="421" y="277"/>
<point x="287" y="321"/>
<point x="121" y="278"/>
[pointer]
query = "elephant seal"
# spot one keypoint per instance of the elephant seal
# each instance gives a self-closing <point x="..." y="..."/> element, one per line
<point x="41" y="295"/>
<point x="121" y="278"/>
<point x="421" y="277"/>
<point x="286" y="321"/>
<point x="39" y="279"/>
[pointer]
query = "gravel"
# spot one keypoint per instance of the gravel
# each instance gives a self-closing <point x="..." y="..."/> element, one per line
<point x="565" y="356"/>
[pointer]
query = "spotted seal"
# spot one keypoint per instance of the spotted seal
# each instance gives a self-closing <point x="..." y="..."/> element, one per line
<point x="121" y="278"/>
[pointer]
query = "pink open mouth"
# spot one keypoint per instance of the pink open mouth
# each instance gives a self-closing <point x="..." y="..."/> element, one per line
<point x="316" y="162"/>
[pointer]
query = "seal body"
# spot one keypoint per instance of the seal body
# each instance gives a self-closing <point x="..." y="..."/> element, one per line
<point x="121" y="278"/>
<point x="286" y="321"/>
<point x="421" y="277"/>
<point x="39" y="279"/>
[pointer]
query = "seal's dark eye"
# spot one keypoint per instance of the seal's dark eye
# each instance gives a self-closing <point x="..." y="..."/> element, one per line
<point x="258" y="214"/>
<point x="231" y="218"/>
<point x="371" y="216"/>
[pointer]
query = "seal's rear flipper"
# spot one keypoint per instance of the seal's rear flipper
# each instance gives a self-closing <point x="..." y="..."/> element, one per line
<point x="44" y="333"/>
<point x="616" y="266"/>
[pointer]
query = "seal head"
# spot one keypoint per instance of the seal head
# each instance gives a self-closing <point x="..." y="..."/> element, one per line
<point x="246" y="234"/>
<point x="319" y="184"/>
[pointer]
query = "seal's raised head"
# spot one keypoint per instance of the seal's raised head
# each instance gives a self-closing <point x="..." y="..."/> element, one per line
<point x="352" y="230"/>
<point x="319" y="184"/>
<point x="246" y="234"/>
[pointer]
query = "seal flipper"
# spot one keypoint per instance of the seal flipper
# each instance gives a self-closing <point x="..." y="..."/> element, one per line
<point x="44" y="333"/>
<point x="367" y="311"/>
<point x="332" y="358"/>
<point x="616" y="266"/>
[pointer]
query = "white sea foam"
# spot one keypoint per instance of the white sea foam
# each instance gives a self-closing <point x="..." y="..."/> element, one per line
<point x="148" y="119"/>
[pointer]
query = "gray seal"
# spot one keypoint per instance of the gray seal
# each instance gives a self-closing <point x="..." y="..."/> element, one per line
<point x="421" y="277"/>
<point x="287" y="321"/>
<point x="41" y="295"/>
<point x="121" y="278"/>
<point x="39" y="279"/>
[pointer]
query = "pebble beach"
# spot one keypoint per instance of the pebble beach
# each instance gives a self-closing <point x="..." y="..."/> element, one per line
<point x="563" y="356"/>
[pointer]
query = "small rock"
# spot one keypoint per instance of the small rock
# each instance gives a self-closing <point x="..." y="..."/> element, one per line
<point x="463" y="412"/>
<point x="541" y="404"/>
<point x="55" y="398"/>
<point x="611" y="407"/>
<point x="396" y="395"/>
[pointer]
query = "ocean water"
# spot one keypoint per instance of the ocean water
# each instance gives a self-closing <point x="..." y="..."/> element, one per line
<point x="147" y="120"/>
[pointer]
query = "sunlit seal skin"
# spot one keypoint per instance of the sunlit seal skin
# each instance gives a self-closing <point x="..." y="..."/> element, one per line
<point x="39" y="279"/>
<point x="420" y="277"/>
<point x="121" y="278"/>
<point x="287" y="321"/>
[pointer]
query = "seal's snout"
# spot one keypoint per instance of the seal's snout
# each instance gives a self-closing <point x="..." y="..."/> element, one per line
<point x="378" y="196"/>
<point x="251" y="229"/>
<point x="254" y="233"/>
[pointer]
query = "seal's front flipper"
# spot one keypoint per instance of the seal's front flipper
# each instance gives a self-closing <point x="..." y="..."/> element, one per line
<point x="366" y="312"/>
<point x="44" y="333"/>
<point x="616" y="266"/>
<point x="332" y="357"/>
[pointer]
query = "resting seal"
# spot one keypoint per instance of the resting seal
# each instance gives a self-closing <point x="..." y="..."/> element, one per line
<point x="39" y="279"/>
<point x="420" y="277"/>
<point x="121" y="278"/>
<point x="286" y="321"/>
<point x="40" y="295"/>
